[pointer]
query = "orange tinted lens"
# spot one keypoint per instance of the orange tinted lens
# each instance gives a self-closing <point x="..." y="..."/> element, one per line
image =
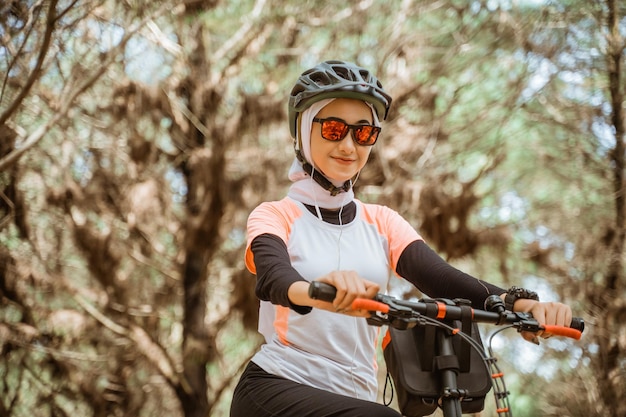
<point x="366" y="135"/>
<point x="334" y="130"/>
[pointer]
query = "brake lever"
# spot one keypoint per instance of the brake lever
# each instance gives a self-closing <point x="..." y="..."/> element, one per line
<point x="528" y="326"/>
<point x="400" y="323"/>
<point x="377" y="320"/>
<point x="395" y="309"/>
<point x="398" y="316"/>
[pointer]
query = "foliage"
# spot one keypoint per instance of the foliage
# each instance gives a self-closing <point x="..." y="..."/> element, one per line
<point x="135" y="137"/>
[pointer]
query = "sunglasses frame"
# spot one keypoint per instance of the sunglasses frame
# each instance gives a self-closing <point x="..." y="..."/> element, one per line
<point x="375" y="130"/>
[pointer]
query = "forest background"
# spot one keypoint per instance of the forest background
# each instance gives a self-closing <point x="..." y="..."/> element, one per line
<point x="136" y="136"/>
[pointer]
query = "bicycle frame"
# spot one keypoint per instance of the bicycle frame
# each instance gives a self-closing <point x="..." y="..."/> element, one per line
<point x="402" y="314"/>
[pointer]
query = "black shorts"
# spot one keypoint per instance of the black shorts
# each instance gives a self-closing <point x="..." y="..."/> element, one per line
<point x="260" y="394"/>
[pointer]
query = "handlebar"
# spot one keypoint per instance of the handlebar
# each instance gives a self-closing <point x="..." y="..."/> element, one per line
<point x="398" y="312"/>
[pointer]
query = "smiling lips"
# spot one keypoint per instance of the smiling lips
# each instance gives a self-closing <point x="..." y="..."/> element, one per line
<point x="344" y="161"/>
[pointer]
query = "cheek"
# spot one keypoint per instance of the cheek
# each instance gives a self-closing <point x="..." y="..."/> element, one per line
<point x="319" y="147"/>
<point x="364" y="154"/>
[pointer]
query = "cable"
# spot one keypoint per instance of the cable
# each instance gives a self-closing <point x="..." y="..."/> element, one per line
<point x="317" y="206"/>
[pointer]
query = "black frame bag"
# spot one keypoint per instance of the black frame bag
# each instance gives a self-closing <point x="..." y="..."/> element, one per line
<point x="414" y="364"/>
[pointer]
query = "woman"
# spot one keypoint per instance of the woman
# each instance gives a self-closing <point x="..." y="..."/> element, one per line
<point x="319" y="358"/>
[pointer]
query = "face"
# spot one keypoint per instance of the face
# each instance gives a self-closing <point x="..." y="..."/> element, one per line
<point x="341" y="160"/>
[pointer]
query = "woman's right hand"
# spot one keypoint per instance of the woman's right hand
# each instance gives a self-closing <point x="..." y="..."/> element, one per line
<point x="349" y="285"/>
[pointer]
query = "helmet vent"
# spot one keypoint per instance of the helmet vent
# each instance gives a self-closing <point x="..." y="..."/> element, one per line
<point x="344" y="73"/>
<point x="320" y="78"/>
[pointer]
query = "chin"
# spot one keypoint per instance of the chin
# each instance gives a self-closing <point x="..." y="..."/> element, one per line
<point x="340" y="180"/>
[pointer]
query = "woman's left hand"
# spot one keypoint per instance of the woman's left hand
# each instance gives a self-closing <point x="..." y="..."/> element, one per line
<point x="547" y="313"/>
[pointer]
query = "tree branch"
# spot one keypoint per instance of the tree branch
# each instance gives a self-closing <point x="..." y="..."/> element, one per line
<point x="64" y="108"/>
<point x="150" y="349"/>
<point x="614" y="58"/>
<point x="34" y="75"/>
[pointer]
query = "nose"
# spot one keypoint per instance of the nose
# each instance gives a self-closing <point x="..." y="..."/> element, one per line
<point x="348" y="143"/>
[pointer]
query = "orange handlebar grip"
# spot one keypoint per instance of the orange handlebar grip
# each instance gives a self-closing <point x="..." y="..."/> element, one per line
<point x="369" y="305"/>
<point x="563" y="331"/>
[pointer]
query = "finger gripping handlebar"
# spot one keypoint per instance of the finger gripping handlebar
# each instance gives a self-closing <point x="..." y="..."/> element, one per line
<point x="325" y="292"/>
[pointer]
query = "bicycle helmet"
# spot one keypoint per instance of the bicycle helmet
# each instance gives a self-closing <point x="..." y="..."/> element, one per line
<point x="336" y="79"/>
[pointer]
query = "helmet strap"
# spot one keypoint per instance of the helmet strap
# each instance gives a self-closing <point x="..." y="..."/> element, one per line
<point x="319" y="178"/>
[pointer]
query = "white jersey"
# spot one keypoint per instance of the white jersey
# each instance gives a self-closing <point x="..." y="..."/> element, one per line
<point x="322" y="349"/>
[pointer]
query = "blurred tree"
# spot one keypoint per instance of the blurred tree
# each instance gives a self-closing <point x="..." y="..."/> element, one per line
<point x="135" y="138"/>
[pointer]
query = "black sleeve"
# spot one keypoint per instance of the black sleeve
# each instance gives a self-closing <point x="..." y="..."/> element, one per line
<point x="436" y="278"/>
<point x="274" y="271"/>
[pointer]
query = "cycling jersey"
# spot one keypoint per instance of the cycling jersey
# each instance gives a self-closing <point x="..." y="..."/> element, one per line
<point x="287" y="242"/>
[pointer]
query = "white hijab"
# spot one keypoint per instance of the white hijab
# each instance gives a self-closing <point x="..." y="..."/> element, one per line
<point x="304" y="188"/>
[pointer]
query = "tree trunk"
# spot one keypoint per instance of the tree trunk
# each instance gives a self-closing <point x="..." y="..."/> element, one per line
<point x="608" y="301"/>
<point x="204" y="173"/>
<point x="193" y="390"/>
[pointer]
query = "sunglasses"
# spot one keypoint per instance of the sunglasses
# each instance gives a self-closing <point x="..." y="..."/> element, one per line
<point x="335" y="129"/>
